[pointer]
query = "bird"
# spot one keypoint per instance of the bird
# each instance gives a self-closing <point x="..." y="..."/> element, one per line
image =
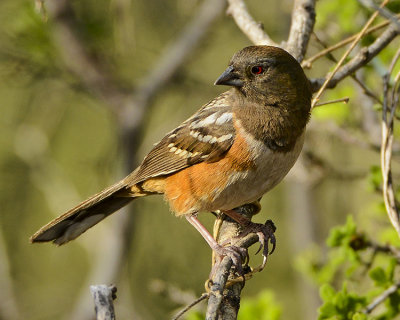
<point x="229" y="153"/>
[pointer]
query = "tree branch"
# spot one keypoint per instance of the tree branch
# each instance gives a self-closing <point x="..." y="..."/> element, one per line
<point x="381" y="298"/>
<point x="225" y="287"/>
<point x="364" y="56"/>
<point x="103" y="297"/>
<point x="384" y="12"/>
<point x="303" y="20"/>
<point x="354" y="43"/>
<point x="253" y="30"/>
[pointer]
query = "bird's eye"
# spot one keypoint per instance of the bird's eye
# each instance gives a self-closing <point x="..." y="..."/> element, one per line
<point x="257" y="70"/>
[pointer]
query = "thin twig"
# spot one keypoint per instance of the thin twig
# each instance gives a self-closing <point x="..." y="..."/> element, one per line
<point x="365" y="89"/>
<point x="389" y="108"/>
<point x="308" y="62"/>
<point x="384" y="12"/>
<point x="364" y="56"/>
<point x="190" y="306"/>
<point x="343" y="100"/>
<point x="381" y="298"/>
<point x="354" y="43"/>
<point x="252" y="29"/>
<point x="303" y="20"/>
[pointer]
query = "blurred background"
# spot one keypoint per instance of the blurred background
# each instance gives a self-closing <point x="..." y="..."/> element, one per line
<point x="88" y="86"/>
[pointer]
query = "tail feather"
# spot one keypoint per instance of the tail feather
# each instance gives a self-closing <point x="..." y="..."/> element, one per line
<point x="74" y="222"/>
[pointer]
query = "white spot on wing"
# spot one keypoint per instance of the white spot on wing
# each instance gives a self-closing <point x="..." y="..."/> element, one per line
<point x="224" y="137"/>
<point x="204" y="122"/>
<point x="225" y="117"/>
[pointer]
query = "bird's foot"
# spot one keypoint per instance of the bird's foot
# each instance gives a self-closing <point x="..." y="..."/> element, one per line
<point x="265" y="233"/>
<point x="238" y="255"/>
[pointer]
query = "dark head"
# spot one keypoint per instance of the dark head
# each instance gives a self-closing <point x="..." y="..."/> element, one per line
<point x="268" y="75"/>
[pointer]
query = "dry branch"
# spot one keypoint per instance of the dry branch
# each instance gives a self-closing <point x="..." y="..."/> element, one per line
<point x="345" y="55"/>
<point x="364" y="56"/>
<point x="303" y="20"/>
<point x="253" y="30"/>
<point x="103" y="297"/>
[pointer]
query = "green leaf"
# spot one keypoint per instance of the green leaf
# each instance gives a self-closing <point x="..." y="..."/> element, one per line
<point x="359" y="316"/>
<point x="327" y="292"/>
<point x="379" y="276"/>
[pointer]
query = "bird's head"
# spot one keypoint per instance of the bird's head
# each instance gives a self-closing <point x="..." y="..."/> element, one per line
<point x="268" y="75"/>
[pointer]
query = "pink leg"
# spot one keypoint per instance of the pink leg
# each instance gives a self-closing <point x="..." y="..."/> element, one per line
<point x="235" y="253"/>
<point x="203" y="231"/>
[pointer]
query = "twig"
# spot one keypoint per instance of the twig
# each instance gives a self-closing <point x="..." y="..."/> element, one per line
<point x="190" y="306"/>
<point x="343" y="100"/>
<point x="303" y="20"/>
<point x="103" y="297"/>
<point x="253" y="30"/>
<point x="308" y="62"/>
<point x="384" y="12"/>
<point x="354" y="43"/>
<point x="390" y="101"/>
<point x="360" y="59"/>
<point x="365" y="89"/>
<point x="381" y="298"/>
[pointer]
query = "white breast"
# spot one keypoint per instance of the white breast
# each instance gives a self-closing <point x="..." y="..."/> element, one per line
<point x="271" y="168"/>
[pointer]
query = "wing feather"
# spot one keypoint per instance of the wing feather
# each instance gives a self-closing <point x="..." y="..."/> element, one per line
<point x="205" y="137"/>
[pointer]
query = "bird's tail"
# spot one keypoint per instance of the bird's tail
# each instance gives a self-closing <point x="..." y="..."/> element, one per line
<point x="74" y="222"/>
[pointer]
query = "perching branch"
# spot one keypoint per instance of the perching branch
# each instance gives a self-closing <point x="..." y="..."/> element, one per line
<point x="253" y="30"/>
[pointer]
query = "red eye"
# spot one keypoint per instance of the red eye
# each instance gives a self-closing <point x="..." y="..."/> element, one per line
<point x="257" y="69"/>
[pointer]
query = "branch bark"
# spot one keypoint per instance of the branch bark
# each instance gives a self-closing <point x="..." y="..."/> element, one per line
<point x="303" y="20"/>
<point x="103" y="297"/>
<point x="252" y="29"/>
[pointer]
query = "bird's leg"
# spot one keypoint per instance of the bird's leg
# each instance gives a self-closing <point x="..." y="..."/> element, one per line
<point x="265" y="232"/>
<point x="237" y="254"/>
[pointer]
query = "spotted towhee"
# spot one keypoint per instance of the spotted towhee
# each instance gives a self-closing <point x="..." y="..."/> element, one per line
<point x="229" y="153"/>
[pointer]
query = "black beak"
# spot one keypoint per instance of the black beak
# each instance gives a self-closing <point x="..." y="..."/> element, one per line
<point x="229" y="78"/>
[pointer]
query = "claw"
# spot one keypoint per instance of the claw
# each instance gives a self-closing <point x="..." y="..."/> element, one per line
<point x="265" y="233"/>
<point x="238" y="256"/>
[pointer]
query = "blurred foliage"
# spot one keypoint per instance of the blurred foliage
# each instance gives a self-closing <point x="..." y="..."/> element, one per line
<point x="59" y="143"/>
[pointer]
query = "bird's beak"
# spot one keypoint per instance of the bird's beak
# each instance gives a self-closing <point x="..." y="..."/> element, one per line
<point x="229" y="78"/>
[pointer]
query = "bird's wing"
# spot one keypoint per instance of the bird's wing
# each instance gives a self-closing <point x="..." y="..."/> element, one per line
<point x="205" y="137"/>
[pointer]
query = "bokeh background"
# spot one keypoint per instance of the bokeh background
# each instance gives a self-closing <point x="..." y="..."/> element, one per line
<point x="64" y="135"/>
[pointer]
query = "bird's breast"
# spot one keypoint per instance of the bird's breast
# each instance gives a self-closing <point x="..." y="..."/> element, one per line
<point x="243" y="175"/>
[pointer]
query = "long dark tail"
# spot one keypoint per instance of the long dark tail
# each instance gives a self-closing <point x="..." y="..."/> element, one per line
<point x="74" y="222"/>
